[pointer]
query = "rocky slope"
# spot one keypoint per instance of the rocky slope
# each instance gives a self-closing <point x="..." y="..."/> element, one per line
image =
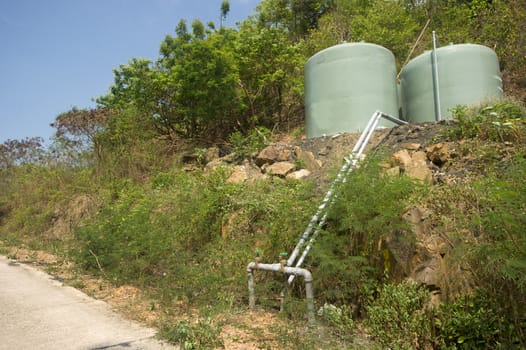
<point x="418" y="151"/>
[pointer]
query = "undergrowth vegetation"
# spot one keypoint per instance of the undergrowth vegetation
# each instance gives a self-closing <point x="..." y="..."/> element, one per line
<point x="484" y="216"/>
<point x="186" y="237"/>
<point x="347" y="257"/>
<point x="123" y="191"/>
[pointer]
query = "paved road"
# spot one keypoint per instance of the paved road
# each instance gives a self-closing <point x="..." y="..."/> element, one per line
<point x="39" y="313"/>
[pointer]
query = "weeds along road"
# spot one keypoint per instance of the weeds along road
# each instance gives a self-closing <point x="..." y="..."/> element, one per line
<point x="38" y="312"/>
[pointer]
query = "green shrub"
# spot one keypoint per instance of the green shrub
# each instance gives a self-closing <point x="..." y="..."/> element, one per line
<point x="190" y="241"/>
<point x="339" y="319"/>
<point x="346" y="258"/>
<point x="137" y="236"/>
<point x="34" y="197"/>
<point x="370" y="205"/>
<point x="397" y="318"/>
<point x="471" y="322"/>
<point x="203" y="334"/>
<point x="163" y="181"/>
<point x="501" y="121"/>
<point x="253" y="141"/>
<point x="498" y="260"/>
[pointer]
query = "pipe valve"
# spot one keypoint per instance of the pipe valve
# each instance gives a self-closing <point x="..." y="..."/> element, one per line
<point x="257" y="253"/>
<point x="283" y="260"/>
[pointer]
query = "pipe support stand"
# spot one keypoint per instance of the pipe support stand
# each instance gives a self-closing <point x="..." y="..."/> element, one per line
<point x="288" y="270"/>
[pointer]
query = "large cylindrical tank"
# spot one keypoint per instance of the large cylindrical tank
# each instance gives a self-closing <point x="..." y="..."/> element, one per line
<point x="345" y="84"/>
<point x="467" y="74"/>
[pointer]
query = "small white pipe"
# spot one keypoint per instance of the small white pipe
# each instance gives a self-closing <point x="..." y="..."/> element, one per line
<point x="394" y="120"/>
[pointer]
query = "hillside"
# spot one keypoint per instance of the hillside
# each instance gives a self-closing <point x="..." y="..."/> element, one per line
<point x="196" y="163"/>
<point x="426" y="205"/>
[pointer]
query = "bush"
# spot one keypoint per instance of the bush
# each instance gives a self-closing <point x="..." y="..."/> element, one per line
<point x="137" y="236"/>
<point x="370" y="205"/>
<point x="346" y="258"/>
<point x="501" y="121"/>
<point x="499" y="259"/>
<point x="244" y="145"/>
<point x="35" y="196"/>
<point x="188" y="236"/>
<point x="471" y="322"/>
<point x="339" y="319"/>
<point x="193" y="336"/>
<point x="397" y="317"/>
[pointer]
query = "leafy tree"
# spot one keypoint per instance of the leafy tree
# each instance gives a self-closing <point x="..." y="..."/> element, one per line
<point x="386" y="23"/>
<point x="273" y="13"/>
<point x="142" y="85"/>
<point x="333" y="28"/>
<point x="77" y="130"/>
<point x="16" y="152"/>
<point x="297" y="16"/>
<point x="203" y="75"/>
<point x="182" y="31"/>
<point x="206" y="83"/>
<point x="130" y="146"/>
<point x="271" y="75"/>
<point x="191" y="91"/>
<point x="132" y="84"/>
<point x="306" y="14"/>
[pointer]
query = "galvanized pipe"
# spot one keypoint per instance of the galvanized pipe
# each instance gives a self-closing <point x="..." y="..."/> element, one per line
<point x="315" y="220"/>
<point x="295" y="271"/>
<point x="436" y="86"/>
<point x="351" y="163"/>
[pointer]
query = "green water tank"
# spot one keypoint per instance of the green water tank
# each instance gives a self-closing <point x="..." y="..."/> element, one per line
<point x="345" y="84"/>
<point x="467" y="74"/>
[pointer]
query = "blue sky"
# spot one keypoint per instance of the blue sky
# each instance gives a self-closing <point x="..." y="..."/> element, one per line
<point x="56" y="54"/>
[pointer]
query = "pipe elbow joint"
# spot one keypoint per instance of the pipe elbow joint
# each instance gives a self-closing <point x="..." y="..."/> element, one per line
<point x="307" y="276"/>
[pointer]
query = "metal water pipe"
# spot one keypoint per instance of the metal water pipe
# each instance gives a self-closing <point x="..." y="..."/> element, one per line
<point x="436" y="85"/>
<point x="350" y="164"/>
<point x="316" y="221"/>
<point x="315" y="225"/>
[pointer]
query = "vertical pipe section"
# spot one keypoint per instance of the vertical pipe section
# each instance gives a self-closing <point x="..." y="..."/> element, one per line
<point x="436" y="86"/>
<point x="251" y="292"/>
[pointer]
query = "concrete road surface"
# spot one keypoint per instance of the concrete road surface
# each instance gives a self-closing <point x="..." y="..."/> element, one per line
<point x="37" y="312"/>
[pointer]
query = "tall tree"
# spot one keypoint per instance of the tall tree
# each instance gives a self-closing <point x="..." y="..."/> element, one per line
<point x="387" y="23"/>
<point x="198" y="29"/>
<point x="271" y="74"/>
<point x="17" y="152"/>
<point x="206" y="84"/>
<point x="77" y="129"/>
<point x="297" y="16"/>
